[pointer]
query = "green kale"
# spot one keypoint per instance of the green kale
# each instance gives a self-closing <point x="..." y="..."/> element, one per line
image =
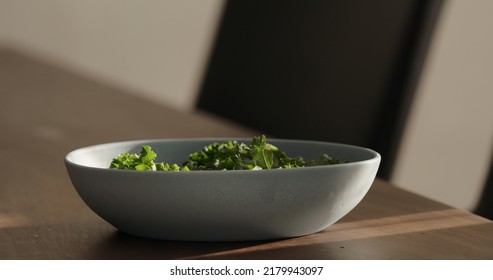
<point x="228" y="155"/>
<point x="144" y="161"/>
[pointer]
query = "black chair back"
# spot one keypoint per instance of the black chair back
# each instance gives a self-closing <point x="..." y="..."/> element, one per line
<point x="339" y="71"/>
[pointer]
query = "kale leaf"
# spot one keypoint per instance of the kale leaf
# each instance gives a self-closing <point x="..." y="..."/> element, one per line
<point x="144" y="161"/>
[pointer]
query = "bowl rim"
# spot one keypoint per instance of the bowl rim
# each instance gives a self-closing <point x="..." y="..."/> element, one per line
<point x="68" y="157"/>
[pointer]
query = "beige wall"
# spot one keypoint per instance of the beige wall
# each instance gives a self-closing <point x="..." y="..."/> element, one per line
<point x="158" y="48"/>
<point x="449" y="139"/>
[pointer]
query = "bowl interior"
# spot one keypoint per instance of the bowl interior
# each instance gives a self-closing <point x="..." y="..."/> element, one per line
<point x="178" y="150"/>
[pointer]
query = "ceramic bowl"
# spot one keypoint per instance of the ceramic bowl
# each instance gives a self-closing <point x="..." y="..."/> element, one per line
<point x="235" y="205"/>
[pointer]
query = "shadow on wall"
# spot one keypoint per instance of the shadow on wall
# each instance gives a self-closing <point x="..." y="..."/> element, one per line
<point x="485" y="205"/>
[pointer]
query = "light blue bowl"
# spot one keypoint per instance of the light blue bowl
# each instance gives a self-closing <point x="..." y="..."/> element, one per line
<point x="221" y="205"/>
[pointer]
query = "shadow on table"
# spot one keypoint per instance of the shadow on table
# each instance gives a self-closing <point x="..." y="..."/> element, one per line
<point x="375" y="218"/>
<point x="410" y="239"/>
<point x="120" y="245"/>
<point x="425" y="245"/>
<point x="412" y="236"/>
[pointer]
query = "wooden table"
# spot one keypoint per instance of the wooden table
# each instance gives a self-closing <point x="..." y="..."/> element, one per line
<point x="45" y="112"/>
